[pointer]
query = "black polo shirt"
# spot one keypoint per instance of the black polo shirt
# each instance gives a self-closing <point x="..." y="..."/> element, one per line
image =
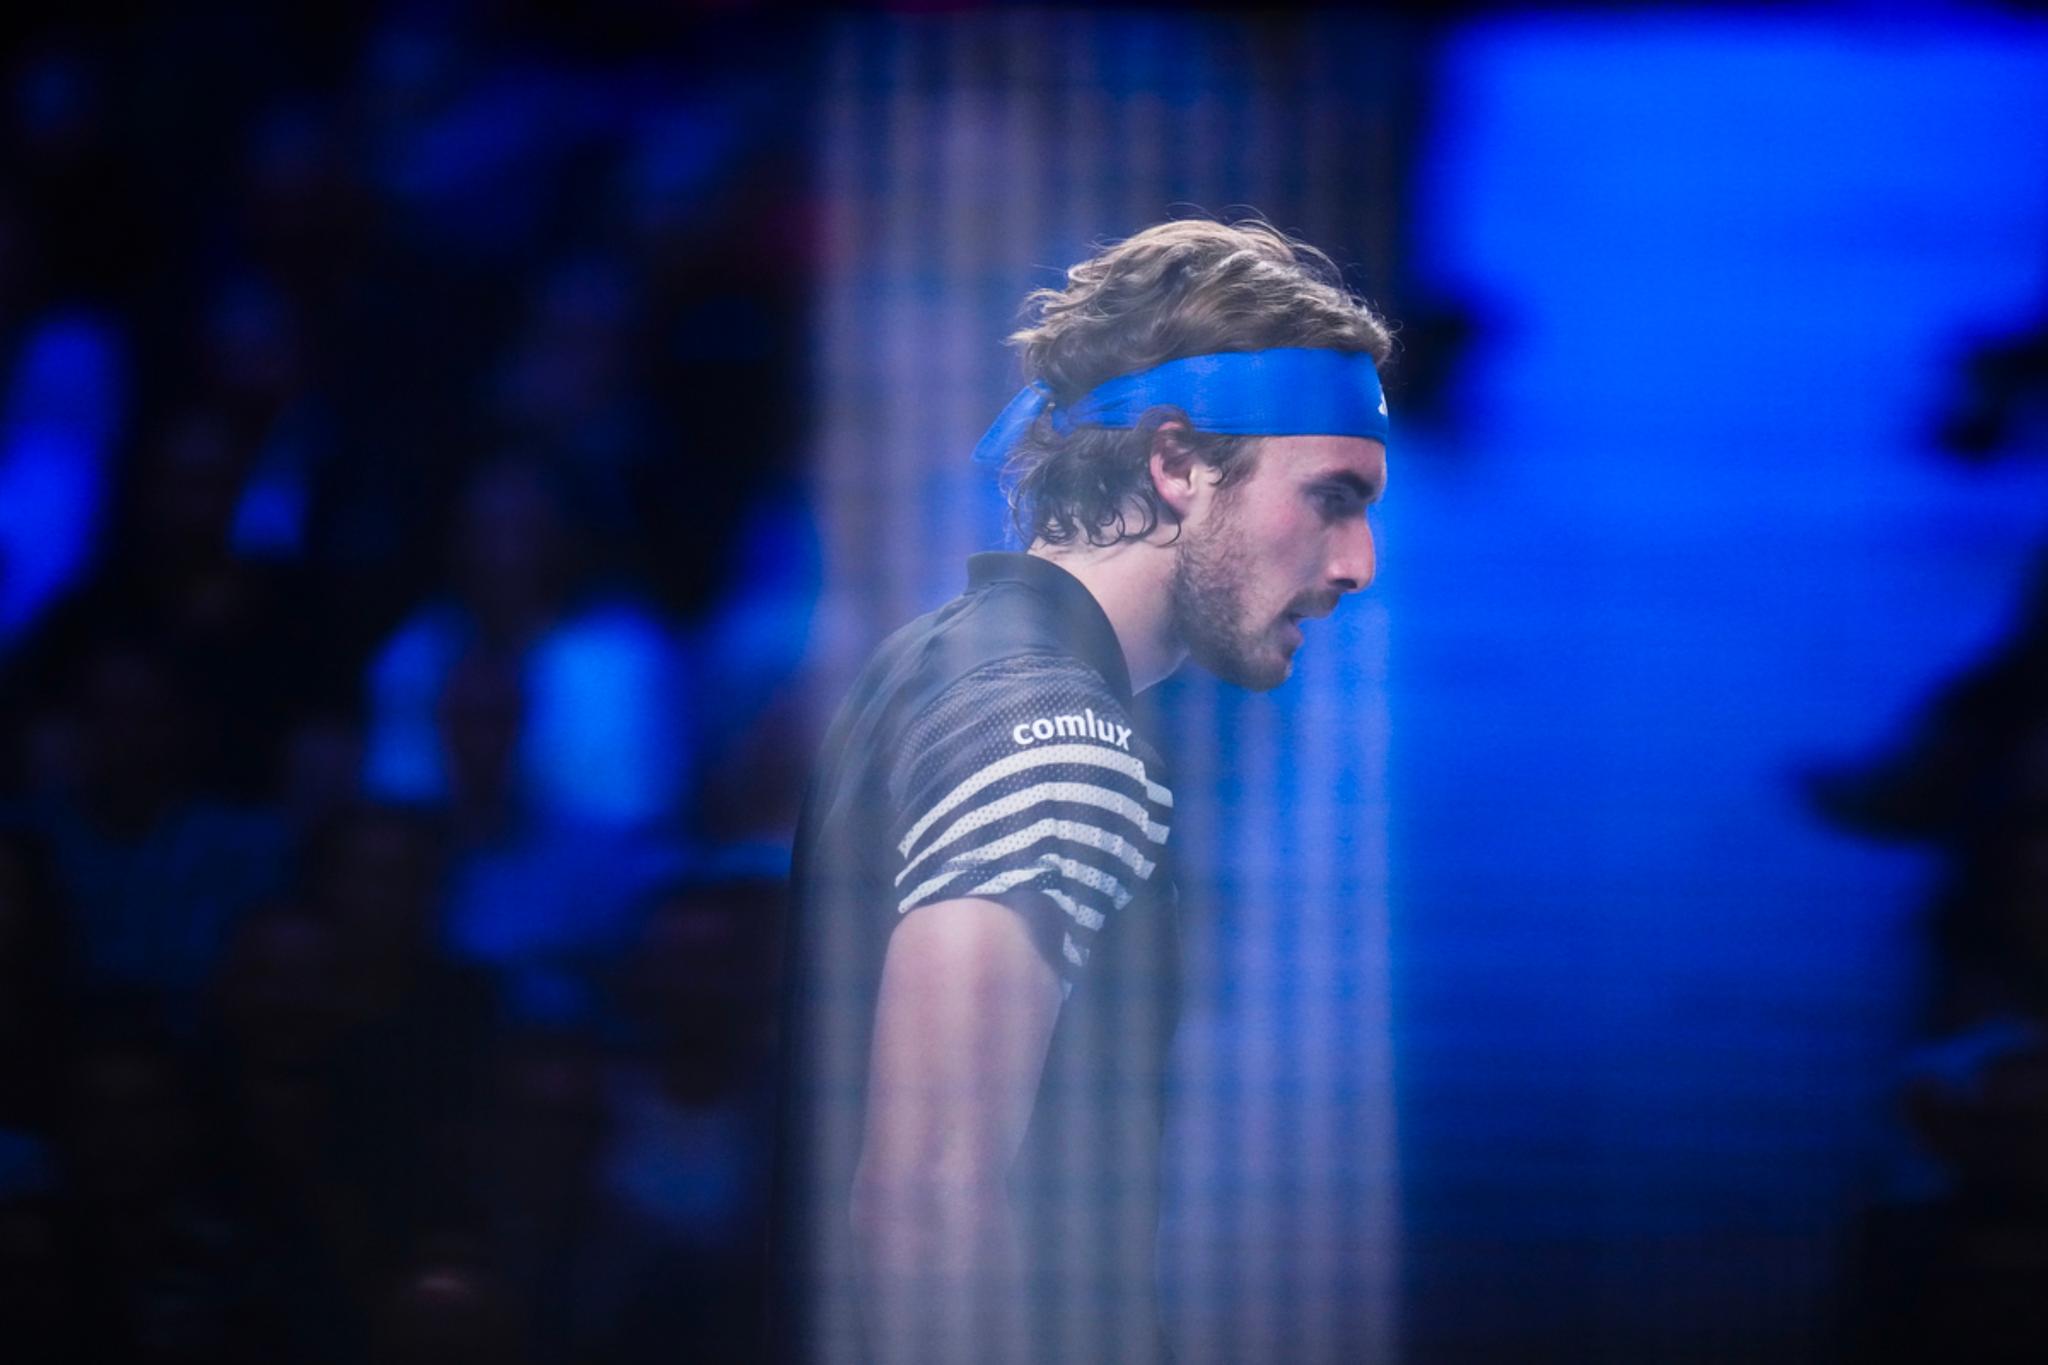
<point x="988" y="750"/>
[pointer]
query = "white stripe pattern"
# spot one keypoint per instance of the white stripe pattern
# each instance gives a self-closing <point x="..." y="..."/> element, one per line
<point x="1080" y="831"/>
<point x="1101" y="840"/>
<point x="1082" y="915"/>
<point x="1095" y="879"/>
<point x="1003" y="881"/>
<point x="1077" y="956"/>
<point x="1085" y="793"/>
<point x="1097" y="755"/>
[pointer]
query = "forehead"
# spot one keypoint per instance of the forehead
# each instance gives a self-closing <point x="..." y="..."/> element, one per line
<point x="1305" y="458"/>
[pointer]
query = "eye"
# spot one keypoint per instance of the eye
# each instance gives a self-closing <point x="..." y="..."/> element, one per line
<point x="1336" y="503"/>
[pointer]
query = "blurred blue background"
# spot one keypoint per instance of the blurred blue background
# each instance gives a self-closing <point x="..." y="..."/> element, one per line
<point x="452" y="457"/>
<point x="1683" y="532"/>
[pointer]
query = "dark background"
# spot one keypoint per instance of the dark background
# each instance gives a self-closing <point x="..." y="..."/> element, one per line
<point x="451" y="456"/>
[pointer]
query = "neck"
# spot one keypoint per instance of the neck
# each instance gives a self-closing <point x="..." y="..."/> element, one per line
<point x="1132" y="582"/>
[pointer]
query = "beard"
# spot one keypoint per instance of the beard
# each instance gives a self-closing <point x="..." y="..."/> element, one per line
<point x="1211" y="614"/>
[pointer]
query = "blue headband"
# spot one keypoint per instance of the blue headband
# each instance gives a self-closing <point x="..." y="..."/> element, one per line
<point x="1288" y="391"/>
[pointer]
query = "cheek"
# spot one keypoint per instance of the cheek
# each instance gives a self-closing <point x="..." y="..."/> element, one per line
<point x="1285" y="565"/>
<point x="1296" y="547"/>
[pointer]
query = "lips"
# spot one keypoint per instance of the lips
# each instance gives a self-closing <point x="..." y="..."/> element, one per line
<point x="1318" y="613"/>
<point x="1292" y="620"/>
<point x="1319" y="608"/>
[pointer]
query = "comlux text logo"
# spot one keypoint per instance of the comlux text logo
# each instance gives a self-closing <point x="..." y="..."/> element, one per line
<point x="1087" y="725"/>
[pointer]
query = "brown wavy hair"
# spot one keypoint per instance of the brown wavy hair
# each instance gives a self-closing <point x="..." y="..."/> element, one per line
<point x="1181" y="288"/>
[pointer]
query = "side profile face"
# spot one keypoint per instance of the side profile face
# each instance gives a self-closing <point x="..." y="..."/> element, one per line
<point x="1281" y="544"/>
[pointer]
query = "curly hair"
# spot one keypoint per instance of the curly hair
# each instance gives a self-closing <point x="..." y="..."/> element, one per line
<point x="1180" y="288"/>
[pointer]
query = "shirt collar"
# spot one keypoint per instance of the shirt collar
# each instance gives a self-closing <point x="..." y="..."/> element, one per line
<point x="1083" y="625"/>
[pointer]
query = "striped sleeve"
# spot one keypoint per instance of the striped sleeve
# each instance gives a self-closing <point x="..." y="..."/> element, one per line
<point x="1028" y="776"/>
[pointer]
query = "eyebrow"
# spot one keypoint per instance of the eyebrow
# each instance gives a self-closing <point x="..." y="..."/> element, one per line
<point x="1368" y="490"/>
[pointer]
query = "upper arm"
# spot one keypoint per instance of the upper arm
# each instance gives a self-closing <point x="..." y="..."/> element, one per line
<point x="962" y="1024"/>
<point x="1022" y="820"/>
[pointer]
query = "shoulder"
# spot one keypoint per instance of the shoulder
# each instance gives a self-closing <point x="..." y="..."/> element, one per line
<point x="1013" y="704"/>
<point x="1028" y="774"/>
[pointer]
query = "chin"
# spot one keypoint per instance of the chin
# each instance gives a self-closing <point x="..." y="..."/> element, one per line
<point x="1253" y="674"/>
<point x="1249" y="660"/>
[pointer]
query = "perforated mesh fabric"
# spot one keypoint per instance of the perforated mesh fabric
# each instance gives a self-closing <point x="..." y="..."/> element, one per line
<point x="1027" y="775"/>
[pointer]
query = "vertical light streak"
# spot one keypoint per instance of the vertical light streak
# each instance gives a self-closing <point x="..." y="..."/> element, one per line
<point x="949" y="179"/>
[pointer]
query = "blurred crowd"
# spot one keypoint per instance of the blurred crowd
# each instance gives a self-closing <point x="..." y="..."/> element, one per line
<point x="1955" y="1266"/>
<point x="404" y="585"/>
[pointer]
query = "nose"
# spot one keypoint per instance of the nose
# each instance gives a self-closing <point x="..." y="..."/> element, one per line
<point x="1352" y="561"/>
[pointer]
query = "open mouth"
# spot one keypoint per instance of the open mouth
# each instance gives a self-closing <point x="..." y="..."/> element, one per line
<point x="1316" y="611"/>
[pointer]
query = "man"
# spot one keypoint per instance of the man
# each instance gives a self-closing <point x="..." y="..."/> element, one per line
<point x="983" y="960"/>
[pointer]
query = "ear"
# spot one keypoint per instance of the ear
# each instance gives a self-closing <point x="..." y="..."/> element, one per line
<point x="1178" y="475"/>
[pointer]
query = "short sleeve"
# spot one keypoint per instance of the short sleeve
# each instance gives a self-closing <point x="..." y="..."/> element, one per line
<point x="1027" y="776"/>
